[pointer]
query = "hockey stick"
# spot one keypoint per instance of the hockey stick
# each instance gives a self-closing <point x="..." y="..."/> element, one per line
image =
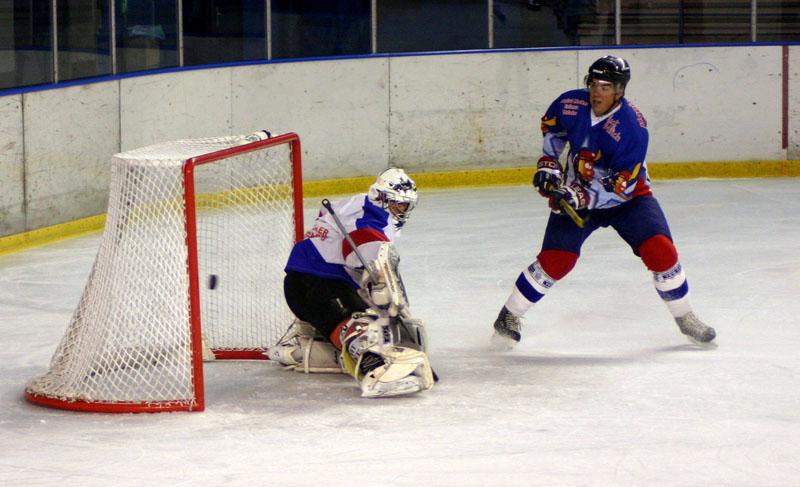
<point x="327" y="205"/>
<point x="571" y="212"/>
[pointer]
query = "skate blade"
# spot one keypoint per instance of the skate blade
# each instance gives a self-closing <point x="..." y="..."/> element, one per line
<point x="502" y="343"/>
<point x="712" y="345"/>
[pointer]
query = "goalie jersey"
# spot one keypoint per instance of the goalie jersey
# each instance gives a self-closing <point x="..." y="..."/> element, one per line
<point x="326" y="253"/>
<point x="617" y="142"/>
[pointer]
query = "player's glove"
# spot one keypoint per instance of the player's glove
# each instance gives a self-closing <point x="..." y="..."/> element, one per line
<point x="574" y="194"/>
<point x="584" y="164"/>
<point x="548" y="175"/>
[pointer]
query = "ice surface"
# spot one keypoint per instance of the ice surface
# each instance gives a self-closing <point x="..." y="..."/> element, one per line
<point x="603" y="390"/>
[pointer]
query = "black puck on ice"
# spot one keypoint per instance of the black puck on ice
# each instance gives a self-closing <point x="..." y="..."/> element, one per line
<point x="212" y="281"/>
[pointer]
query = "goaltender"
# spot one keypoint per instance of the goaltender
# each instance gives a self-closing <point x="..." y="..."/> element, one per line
<point x="343" y="285"/>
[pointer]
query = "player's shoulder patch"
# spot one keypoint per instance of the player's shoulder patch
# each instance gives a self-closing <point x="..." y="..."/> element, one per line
<point x="572" y="101"/>
<point x="638" y="114"/>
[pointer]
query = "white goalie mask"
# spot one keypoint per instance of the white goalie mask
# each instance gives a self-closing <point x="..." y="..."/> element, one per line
<point x="395" y="192"/>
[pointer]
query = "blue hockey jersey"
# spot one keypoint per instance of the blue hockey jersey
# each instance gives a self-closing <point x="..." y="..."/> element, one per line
<point x="326" y="253"/>
<point x="617" y="140"/>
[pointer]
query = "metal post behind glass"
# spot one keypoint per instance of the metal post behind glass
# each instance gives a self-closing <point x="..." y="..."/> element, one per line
<point x="373" y="13"/>
<point x="112" y="35"/>
<point x="180" y="32"/>
<point x="54" y="37"/>
<point x="268" y="27"/>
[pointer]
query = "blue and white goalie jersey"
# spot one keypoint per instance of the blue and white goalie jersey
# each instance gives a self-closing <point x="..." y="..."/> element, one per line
<point x="326" y="253"/>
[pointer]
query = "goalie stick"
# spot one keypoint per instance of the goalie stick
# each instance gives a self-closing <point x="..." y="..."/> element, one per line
<point x="414" y="336"/>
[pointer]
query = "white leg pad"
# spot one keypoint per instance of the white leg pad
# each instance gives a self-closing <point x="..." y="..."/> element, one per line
<point x="405" y="371"/>
<point x="299" y="350"/>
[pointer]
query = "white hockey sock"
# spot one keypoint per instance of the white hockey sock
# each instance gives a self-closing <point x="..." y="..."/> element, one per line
<point x="673" y="289"/>
<point x="531" y="286"/>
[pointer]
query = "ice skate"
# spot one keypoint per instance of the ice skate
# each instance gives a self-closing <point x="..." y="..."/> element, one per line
<point x="507" y="330"/>
<point x="697" y="331"/>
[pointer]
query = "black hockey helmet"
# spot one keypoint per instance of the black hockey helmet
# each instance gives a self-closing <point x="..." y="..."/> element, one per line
<point x="609" y="68"/>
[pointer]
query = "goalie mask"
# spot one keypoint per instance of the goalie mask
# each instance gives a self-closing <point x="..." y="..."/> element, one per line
<point x="396" y="193"/>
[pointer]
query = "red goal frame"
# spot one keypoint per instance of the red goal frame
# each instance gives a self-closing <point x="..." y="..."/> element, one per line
<point x="198" y="402"/>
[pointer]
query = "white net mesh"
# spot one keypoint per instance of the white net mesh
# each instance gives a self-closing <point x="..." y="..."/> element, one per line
<point x="129" y="340"/>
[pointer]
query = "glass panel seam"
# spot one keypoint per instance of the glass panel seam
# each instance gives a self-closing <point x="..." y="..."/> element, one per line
<point x="490" y="23"/>
<point x="373" y="14"/>
<point x="54" y="37"/>
<point x="179" y="6"/>
<point x="112" y="35"/>
<point x="268" y="27"/>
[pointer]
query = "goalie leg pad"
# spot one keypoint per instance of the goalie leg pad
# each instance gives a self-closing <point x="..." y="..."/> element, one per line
<point x="411" y="332"/>
<point x="302" y="350"/>
<point x="381" y="368"/>
<point x="404" y="371"/>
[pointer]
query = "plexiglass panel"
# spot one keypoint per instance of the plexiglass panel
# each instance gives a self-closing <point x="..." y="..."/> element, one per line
<point x="147" y="34"/>
<point x="530" y="23"/>
<point x="26" y="56"/>
<point x="311" y="28"/>
<point x="549" y="23"/>
<point x="432" y="25"/>
<point x="84" y="48"/>
<point x="778" y="21"/>
<point x="221" y="31"/>
<point x="686" y="22"/>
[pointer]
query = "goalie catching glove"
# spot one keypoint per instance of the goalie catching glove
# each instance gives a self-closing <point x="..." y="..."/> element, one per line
<point x="381" y="367"/>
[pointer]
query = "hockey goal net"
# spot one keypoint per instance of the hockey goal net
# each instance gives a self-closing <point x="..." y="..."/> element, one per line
<point x="190" y="263"/>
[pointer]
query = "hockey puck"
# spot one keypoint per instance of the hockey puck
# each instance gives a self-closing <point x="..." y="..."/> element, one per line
<point x="212" y="281"/>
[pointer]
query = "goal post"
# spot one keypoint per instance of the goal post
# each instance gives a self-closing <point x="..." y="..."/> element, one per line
<point x="190" y="261"/>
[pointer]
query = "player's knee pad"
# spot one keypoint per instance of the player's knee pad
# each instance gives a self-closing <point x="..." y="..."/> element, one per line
<point x="658" y="253"/>
<point x="557" y="263"/>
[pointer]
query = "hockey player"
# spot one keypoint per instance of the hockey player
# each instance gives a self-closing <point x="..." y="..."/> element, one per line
<point x="350" y="316"/>
<point x="603" y="183"/>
